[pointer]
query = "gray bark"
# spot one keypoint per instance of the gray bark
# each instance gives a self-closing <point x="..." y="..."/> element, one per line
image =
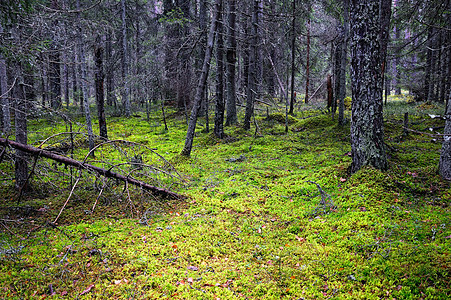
<point x="343" y="57"/>
<point x="4" y="98"/>
<point x="445" y="156"/>
<point x="219" y="111"/>
<point x="100" y="95"/>
<point x="230" y="65"/>
<point x="251" y="92"/>
<point x="125" y="88"/>
<point x="20" y="116"/>
<point x="293" y="55"/>
<point x="84" y="80"/>
<point x="367" y="136"/>
<point x="200" y="90"/>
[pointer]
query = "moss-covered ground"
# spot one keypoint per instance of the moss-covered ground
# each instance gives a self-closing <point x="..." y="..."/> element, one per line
<point x="268" y="215"/>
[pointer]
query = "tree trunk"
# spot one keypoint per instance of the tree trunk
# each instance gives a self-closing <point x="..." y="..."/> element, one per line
<point x="343" y="59"/>
<point x="445" y="156"/>
<point x="367" y="137"/>
<point x="307" y="67"/>
<point x="99" y="77"/>
<point x="397" y="66"/>
<point x="84" y="80"/>
<point x="293" y="55"/>
<point x="125" y="88"/>
<point x="230" y="65"/>
<point x="252" y="76"/>
<point x="20" y="114"/>
<point x="4" y="98"/>
<point x="109" y="81"/>
<point x="200" y="90"/>
<point x="330" y="96"/>
<point x="219" y="111"/>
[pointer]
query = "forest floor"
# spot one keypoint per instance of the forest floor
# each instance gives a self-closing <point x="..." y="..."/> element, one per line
<point x="268" y="215"/>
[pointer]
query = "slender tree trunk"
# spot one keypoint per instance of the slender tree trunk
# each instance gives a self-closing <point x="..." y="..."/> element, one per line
<point x="202" y="81"/>
<point x="397" y="66"/>
<point x="330" y="96"/>
<point x="99" y="77"/>
<point x="293" y="56"/>
<point x="432" y="65"/>
<point x="75" y="91"/>
<point x="219" y="111"/>
<point x="367" y="137"/>
<point x="4" y="97"/>
<point x="445" y="156"/>
<point x="84" y="80"/>
<point x="20" y="114"/>
<point x="109" y="82"/>
<point x="252" y="80"/>
<point x="343" y="64"/>
<point x="307" y="67"/>
<point x="125" y="88"/>
<point x="230" y="65"/>
<point x="55" y="77"/>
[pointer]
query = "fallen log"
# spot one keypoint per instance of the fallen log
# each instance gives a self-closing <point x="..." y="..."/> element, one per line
<point x="103" y="172"/>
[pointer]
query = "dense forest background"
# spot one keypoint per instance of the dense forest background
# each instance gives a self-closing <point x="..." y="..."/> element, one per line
<point x="209" y="149"/>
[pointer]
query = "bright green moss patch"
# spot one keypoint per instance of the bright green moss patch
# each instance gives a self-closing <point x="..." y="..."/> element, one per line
<point x="253" y="225"/>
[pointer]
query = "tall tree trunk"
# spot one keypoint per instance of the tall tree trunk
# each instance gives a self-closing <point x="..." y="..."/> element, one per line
<point x="230" y="65"/>
<point x="55" y="77"/>
<point x="367" y="136"/>
<point x="343" y="58"/>
<point x="252" y="79"/>
<point x="445" y="156"/>
<point x="99" y="77"/>
<point x="431" y="96"/>
<point x="4" y="97"/>
<point x="200" y="90"/>
<point x="385" y="16"/>
<point x="109" y="80"/>
<point x="293" y="56"/>
<point x="125" y="88"/>
<point x="397" y="66"/>
<point x="75" y="91"/>
<point x="84" y="80"/>
<point x="307" y="67"/>
<point x="219" y="111"/>
<point x="20" y="114"/>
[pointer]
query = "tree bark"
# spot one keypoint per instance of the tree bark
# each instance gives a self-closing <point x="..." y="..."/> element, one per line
<point x="307" y="67"/>
<point x="367" y="136"/>
<point x="230" y="65"/>
<point x="343" y="59"/>
<point x="200" y="90"/>
<point x="445" y="155"/>
<point x="82" y="165"/>
<point x="219" y="111"/>
<point x="20" y="118"/>
<point x="84" y="80"/>
<point x="293" y="55"/>
<point x="252" y="75"/>
<point x="109" y="74"/>
<point x="125" y="88"/>
<point x="4" y="98"/>
<point x="100" y="95"/>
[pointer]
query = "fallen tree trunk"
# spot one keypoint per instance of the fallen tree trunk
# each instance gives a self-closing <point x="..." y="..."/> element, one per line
<point x="75" y="163"/>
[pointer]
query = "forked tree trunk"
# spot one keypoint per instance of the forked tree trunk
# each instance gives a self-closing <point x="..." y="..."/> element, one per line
<point x="200" y="90"/>
<point x="367" y="137"/>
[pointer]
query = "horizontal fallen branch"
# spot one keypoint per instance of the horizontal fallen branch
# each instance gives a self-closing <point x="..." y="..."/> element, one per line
<point x="75" y="163"/>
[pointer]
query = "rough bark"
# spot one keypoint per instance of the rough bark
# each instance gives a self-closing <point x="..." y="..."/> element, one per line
<point x="252" y="75"/>
<point x="82" y="165"/>
<point x="219" y="110"/>
<point x="307" y="67"/>
<point x="230" y="65"/>
<point x="445" y="156"/>
<point x="4" y="98"/>
<point x="100" y="95"/>
<point x="293" y="55"/>
<point x="367" y="137"/>
<point x="200" y="90"/>
<point x="109" y="79"/>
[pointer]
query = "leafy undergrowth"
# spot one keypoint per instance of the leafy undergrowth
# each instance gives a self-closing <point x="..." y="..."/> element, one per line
<point x="268" y="216"/>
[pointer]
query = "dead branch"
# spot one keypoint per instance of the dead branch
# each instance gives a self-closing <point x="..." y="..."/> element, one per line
<point x="82" y="165"/>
